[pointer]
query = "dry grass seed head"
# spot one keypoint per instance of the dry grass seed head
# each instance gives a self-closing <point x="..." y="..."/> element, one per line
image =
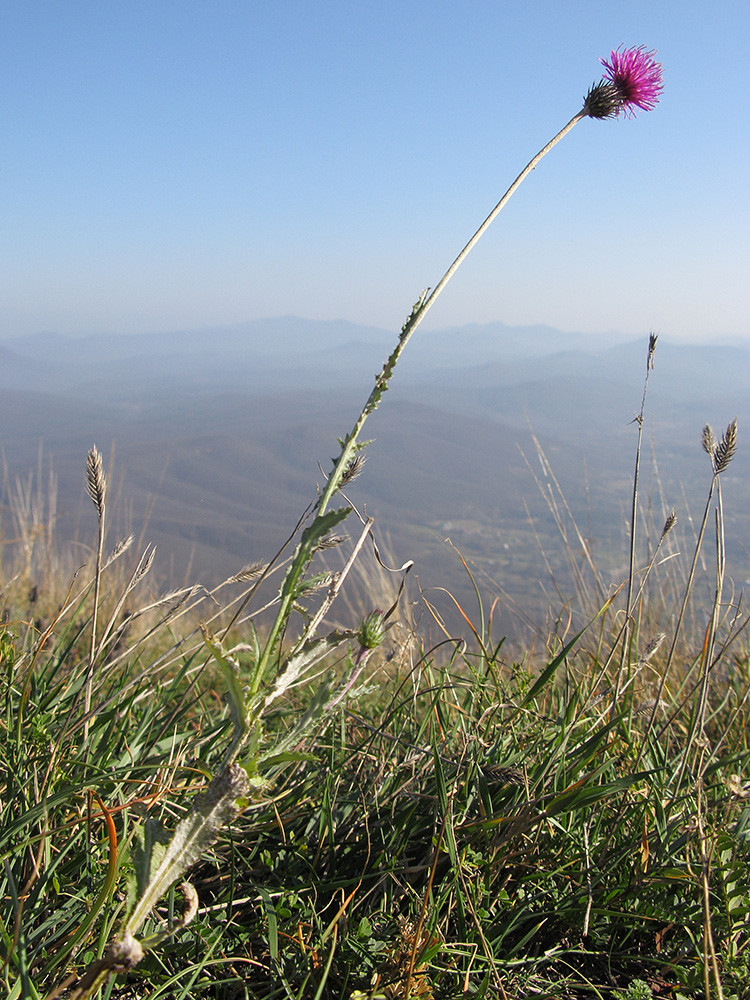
<point x="652" y="646"/>
<point x="670" y="522"/>
<point x="331" y="541"/>
<point x="119" y="549"/>
<point x="249" y="572"/>
<point x="648" y="706"/>
<point x="144" y="565"/>
<point x="721" y="452"/>
<point x="96" y="481"/>
<point x="724" y="451"/>
<point x="708" y="440"/>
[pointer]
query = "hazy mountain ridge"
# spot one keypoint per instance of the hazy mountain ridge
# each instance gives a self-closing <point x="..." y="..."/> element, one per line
<point x="268" y="354"/>
<point x="229" y="356"/>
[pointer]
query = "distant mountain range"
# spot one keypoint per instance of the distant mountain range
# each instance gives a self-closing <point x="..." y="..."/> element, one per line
<point x="263" y="354"/>
<point x="220" y="435"/>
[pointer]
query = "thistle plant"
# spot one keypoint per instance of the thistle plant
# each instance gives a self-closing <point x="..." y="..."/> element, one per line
<point x="632" y="80"/>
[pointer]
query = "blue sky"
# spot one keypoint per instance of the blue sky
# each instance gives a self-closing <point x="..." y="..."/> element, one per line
<point x="170" y="164"/>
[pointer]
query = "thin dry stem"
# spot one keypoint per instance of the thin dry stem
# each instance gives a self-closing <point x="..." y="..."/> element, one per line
<point x="629" y="603"/>
<point x="96" y="485"/>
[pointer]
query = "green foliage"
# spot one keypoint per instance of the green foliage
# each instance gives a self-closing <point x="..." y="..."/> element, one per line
<point x="637" y="990"/>
<point x="463" y="824"/>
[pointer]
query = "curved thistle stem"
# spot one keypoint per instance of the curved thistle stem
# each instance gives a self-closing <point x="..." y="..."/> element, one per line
<point x="493" y="215"/>
<point x="420" y="310"/>
<point x="350" y="444"/>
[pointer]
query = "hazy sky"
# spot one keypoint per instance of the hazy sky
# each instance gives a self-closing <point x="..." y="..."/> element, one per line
<point x="172" y="163"/>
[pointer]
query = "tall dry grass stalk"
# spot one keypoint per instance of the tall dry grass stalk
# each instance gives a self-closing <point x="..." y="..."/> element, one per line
<point x="720" y="453"/>
<point x="625" y="655"/>
<point x="96" y="487"/>
<point x="29" y="555"/>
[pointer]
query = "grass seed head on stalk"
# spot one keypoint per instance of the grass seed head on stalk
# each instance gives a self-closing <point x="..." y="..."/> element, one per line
<point x="331" y="541"/>
<point x="250" y="571"/>
<point x="144" y="565"/>
<point x="121" y="547"/>
<point x="648" y="706"/>
<point x="670" y="522"/>
<point x="708" y="441"/>
<point x="353" y="469"/>
<point x="652" y="646"/>
<point x="724" y="451"/>
<point x="96" y="481"/>
<point x="721" y="452"/>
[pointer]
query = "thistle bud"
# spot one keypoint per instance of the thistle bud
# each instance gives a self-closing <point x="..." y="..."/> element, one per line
<point x="602" y="101"/>
<point x="372" y="629"/>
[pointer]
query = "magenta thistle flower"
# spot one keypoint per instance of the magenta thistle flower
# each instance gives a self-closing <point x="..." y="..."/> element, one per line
<point x="636" y="77"/>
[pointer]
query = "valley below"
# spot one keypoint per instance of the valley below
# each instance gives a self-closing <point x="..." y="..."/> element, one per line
<point x="511" y="449"/>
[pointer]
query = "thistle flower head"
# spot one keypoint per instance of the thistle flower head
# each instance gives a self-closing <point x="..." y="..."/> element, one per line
<point x="636" y="75"/>
<point x="632" y="79"/>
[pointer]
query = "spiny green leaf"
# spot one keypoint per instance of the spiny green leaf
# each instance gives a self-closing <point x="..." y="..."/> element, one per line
<point x="305" y="550"/>
<point x="310" y="653"/>
<point x="323" y="524"/>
